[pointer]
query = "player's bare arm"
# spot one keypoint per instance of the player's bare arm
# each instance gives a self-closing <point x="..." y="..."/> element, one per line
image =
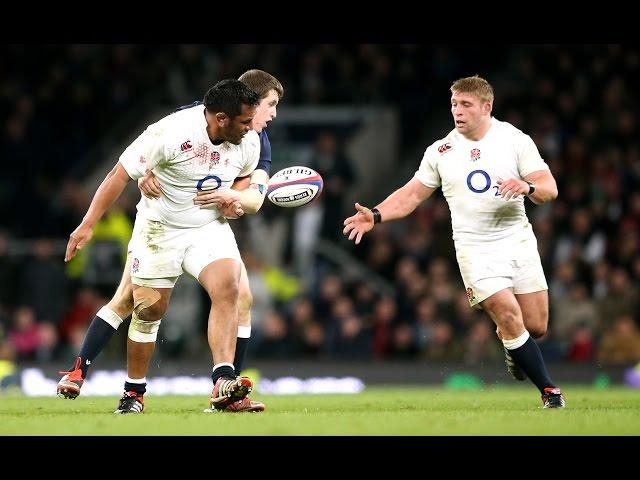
<point x="250" y="198"/>
<point x="546" y="188"/>
<point x="108" y="192"/>
<point x="541" y="182"/>
<point x="397" y="205"/>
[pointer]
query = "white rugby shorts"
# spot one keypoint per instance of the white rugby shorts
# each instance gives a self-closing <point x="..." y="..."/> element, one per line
<point x="160" y="253"/>
<point x="510" y="263"/>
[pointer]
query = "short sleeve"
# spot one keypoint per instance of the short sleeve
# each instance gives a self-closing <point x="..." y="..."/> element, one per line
<point x="145" y="153"/>
<point x="428" y="172"/>
<point x="529" y="159"/>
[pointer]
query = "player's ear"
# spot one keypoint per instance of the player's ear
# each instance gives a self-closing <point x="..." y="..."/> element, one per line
<point x="487" y="107"/>
<point x="222" y="119"/>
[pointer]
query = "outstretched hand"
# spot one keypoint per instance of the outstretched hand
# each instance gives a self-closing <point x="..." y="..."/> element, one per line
<point x="77" y="240"/>
<point x="359" y="224"/>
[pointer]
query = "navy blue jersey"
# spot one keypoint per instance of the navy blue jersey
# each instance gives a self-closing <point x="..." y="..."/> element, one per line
<point x="265" y="145"/>
<point x="265" y="153"/>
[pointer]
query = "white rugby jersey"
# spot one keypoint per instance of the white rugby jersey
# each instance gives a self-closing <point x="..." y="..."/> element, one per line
<point x="468" y="172"/>
<point x="179" y="152"/>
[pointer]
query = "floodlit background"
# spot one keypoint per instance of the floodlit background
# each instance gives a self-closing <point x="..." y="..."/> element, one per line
<point x="393" y="309"/>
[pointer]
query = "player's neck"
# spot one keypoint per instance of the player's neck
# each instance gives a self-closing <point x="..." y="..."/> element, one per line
<point x="212" y="129"/>
<point x="479" y="133"/>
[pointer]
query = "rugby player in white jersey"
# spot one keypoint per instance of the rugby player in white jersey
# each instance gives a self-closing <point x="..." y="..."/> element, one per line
<point x="110" y="316"/>
<point x="485" y="168"/>
<point x="205" y="147"/>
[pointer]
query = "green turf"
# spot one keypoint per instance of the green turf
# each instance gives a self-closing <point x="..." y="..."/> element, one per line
<point x="376" y="411"/>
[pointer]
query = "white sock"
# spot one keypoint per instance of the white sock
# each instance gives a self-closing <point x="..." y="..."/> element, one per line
<point x="224" y="364"/>
<point x="516" y="342"/>
<point x="109" y="316"/>
<point x="136" y="380"/>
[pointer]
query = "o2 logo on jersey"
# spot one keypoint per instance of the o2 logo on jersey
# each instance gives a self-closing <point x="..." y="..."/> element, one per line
<point x="213" y="183"/>
<point x="479" y="179"/>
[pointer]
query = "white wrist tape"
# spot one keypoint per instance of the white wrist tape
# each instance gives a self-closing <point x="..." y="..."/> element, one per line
<point x="252" y="198"/>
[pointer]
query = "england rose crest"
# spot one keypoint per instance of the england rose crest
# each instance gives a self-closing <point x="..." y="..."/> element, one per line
<point x="475" y="154"/>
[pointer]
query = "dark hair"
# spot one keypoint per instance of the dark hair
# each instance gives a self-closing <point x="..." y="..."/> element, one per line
<point x="228" y="96"/>
<point x="261" y="82"/>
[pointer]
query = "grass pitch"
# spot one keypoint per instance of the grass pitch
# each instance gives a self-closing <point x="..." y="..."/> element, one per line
<point x="376" y="411"/>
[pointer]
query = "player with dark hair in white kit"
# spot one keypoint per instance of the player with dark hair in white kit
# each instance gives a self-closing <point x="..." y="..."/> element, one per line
<point x="485" y="168"/>
<point x="109" y="318"/>
<point x="204" y="147"/>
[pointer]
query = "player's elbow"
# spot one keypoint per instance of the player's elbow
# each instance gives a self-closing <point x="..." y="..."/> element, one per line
<point x="253" y="205"/>
<point x="545" y="196"/>
<point x="552" y="194"/>
<point x="251" y="200"/>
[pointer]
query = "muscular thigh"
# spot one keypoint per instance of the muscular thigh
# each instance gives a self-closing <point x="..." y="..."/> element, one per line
<point x="221" y="279"/>
<point x="122" y="301"/>
<point x="125" y="281"/>
<point x="504" y="310"/>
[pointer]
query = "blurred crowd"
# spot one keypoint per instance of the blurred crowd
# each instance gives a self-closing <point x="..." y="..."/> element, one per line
<point x="578" y="104"/>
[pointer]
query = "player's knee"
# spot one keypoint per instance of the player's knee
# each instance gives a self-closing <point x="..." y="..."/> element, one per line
<point x="510" y="318"/>
<point x="224" y="292"/>
<point x="142" y="331"/>
<point x="536" y="331"/>
<point x="148" y="304"/>
<point x="537" y="324"/>
<point x="152" y="312"/>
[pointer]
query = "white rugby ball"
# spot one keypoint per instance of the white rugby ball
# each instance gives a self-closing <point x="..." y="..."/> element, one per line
<point x="294" y="186"/>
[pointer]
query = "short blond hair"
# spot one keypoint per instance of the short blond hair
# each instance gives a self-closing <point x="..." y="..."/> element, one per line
<point x="475" y="85"/>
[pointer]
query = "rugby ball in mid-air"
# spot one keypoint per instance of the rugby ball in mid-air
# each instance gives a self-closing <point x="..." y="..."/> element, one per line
<point x="294" y="186"/>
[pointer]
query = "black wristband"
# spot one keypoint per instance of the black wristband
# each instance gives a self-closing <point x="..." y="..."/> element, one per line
<point x="532" y="188"/>
<point x="377" y="217"/>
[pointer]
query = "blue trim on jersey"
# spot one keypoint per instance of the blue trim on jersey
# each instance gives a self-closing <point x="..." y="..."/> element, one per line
<point x="191" y="105"/>
<point x="265" y="153"/>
